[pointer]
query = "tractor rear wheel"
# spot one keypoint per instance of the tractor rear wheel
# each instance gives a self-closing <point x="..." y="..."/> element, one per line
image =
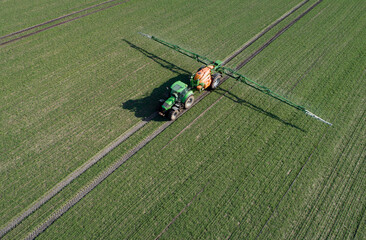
<point x="173" y="114"/>
<point x="189" y="102"/>
<point x="215" y="81"/>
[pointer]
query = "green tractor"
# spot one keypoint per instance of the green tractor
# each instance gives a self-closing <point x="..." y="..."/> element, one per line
<point x="209" y="77"/>
<point x="180" y="97"/>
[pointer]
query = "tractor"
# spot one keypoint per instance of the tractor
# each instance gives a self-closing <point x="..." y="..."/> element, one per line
<point x="180" y="95"/>
<point x="209" y="77"/>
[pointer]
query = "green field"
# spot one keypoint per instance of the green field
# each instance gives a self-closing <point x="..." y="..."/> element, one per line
<point x="250" y="167"/>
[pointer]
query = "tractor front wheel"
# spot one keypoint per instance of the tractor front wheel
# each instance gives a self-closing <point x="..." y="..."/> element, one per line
<point x="173" y="114"/>
<point x="189" y="102"/>
<point x="215" y="81"/>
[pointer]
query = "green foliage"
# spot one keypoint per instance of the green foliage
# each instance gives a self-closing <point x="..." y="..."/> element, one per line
<point x="249" y="166"/>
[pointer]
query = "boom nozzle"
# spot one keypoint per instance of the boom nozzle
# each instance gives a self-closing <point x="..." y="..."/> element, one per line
<point x="317" y="118"/>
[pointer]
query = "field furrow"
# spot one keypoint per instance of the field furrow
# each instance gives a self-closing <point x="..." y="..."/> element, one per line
<point x="83" y="154"/>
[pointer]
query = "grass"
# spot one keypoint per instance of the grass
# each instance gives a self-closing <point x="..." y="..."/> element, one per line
<point x="17" y="15"/>
<point x="249" y="161"/>
<point x="63" y="90"/>
<point x="248" y="167"/>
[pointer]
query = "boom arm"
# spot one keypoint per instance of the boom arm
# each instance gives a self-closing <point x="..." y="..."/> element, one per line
<point x="195" y="56"/>
<point x="232" y="73"/>
<point x="263" y="89"/>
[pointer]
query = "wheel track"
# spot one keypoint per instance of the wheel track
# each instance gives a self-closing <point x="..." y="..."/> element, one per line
<point x="337" y="224"/>
<point x="276" y="207"/>
<point x="214" y="153"/>
<point x="224" y="79"/>
<point x="94" y="183"/>
<point x="259" y="190"/>
<point x="98" y="180"/>
<point x="248" y="173"/>
<point x="148" y="193"/>
<point x="152" y="190"/>
<point x="261" y="49"/>
<point x="235" y="191"/>
<point x="267" y="29"/>
<point x="300" y="225"/>
<point x="324" y="201"/>
<point x="279" y="33"/>
<point x="61" y="185"/>
<point x="246" y="61"/>
<point x="73" y="176"/>
<point x="345" y="188"/>
<point x="363" y="211"/>
<point x="323" y="191"/>
<point x="57" y="24"/>
<point x="337" y="173"/>
<point x="51" y="193"/>
<point x="189" y="177"/>
<point x="55" y="19"/>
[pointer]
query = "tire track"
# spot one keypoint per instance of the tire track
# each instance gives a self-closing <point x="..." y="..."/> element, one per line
<point x="152" y="191"/>
<point x="352" y="219"/>
<point x="298" y="174"/>
<point x="247" y="174"/>
<point x="74" y="175"/>
<point x="197" y="172"/>
<point x="330" y="181"/>
<point x="246" y="61"/>
<point x="55" y="19"/>
<point x="280" y="33"/>
<point x="341" y="195"/>
<point x="267" y="29"/>
<point x="271" y="177"/>
<point x="300" y="226"/>
<point x="105" y="174"/>
<point x="363" y="211"/>
<point x="349" y="190"/>
<point x="57" y="24"/>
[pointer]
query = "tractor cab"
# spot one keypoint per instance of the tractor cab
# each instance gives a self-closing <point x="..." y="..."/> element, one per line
<point x="178" y="90"/>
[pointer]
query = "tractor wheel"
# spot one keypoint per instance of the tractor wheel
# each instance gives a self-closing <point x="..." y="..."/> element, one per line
<point x="189" y="102"/>
<point x="215" y="81"/>
<point x="173" y="114"/>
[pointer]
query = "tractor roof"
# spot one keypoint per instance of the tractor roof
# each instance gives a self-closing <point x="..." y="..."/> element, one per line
<point x="178" y="86"/>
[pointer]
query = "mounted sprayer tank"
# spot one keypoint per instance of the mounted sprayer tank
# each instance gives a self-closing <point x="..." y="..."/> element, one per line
<point x="181" y="95"/>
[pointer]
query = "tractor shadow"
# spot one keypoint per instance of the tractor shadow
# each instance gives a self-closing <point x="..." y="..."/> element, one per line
<point x="146" y="106"/>
<point x="235" y="98"/>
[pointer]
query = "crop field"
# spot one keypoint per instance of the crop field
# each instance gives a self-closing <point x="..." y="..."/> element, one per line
<point x="83" y="154"/>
